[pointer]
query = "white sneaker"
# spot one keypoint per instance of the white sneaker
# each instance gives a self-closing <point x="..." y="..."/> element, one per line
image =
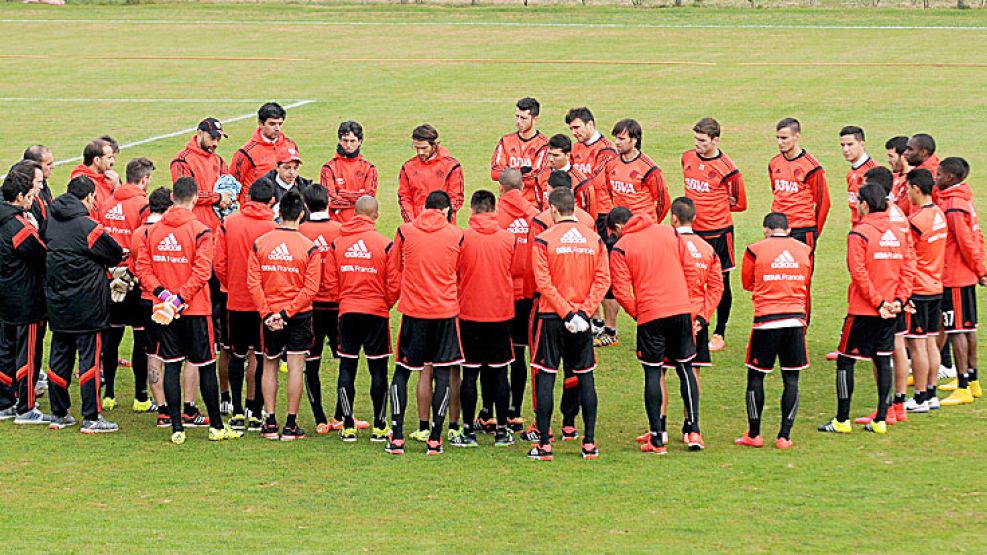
<point x="9" y="412"/>
<point x="33" y="416"/>
<point x="947" y="373"/>
<point x="912" y="406"/>
<point x="933" y="403"/>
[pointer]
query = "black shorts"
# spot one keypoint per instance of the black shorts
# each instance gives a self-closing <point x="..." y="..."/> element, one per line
<point x="900" y="323"/>
<point x="221" y="321"/>
<point x="807" y="235"/>
<point x="486" y="343"/>
<point x="325" y="327"/>
<point x="187" y="338"/>
<point x="429" y="341"/>
<point x="553" y="345"/>
<point x="244" y="329"/>
<point x="151" y="341"/>
<point x="666" y="338"/>
<point x="127" y="313"/>
<point x="703" y="357"/>
<point x="295" y="338"/>
<point x="927" y="318"/>
<point x="366" y="331"/>
<point x="865" y="337"/>
<point x="959" y="309"/>
<point x="722" y="242"/>
<point x="786" y="345"/>
<point x="521" y="324"/>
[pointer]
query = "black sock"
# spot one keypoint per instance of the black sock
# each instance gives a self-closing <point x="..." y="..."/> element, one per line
<point x="663" y="422"/>
<point x="291" y="421"/>
<point x="885" y="381"/>
<point x="597" y="323"/>
<point x="973" y="374"/>
<point x="723" y="309"/>
<point x="399" y="401"/>
<point x="173" y="393"/>
<point x="545" y="401"/>
<point x="423" y="425"/>
<point x="139" y="365"/>
<point x="755" y="401"/>
<point x="518" y="382"/>
<point x="610" y="331"/>
<point x="209" y="389"/>
<point x="272" y="420"/>
<point x="378" y="390"/>
<point x="920" y="396"/>
<point x="258" y="385"/>
<point x="789" y="402"/>
<point x="690" y="393"/>
<point x="502" y="394"/>
<point x="844" y="387"/>
<point x="224" y="396"/>
<point x="440" y="402"/>
<point x="346" y="389"/>
<point x="236" y="383"/>
<point x="163" y="409"/>
<point x="190" y="409"/>
<point x="963" y="380"/>
<point x="652" y="402"/>
<point x="313" y="386"/>
<point x="487" y="388"/>
<point x="931" y="392"/>
<point x="899" y="398"/>
<point x="569" y="406"/>
<point x="111" y="359"/>
<point x="468" y="396"/>
<point x="589" y="402"/>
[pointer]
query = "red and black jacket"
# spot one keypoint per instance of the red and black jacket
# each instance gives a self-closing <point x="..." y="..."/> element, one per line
<point x="22" y="273"/>
<point x="79" y="253"/>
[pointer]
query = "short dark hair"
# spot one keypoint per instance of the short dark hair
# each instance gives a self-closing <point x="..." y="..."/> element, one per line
<point x="580" y="113"/>
<point x="425" y="132"/>
<point x="138" y="169"/>
<point x="922" y="178"/>
<point x="559" y="179"/>
<point x="271" y="110"/>
<point x="27" y="168"/>
<point x="925" y="141"/>
<point x="159" y="201"/>
<point x="874" y="196"/>
<point x="483" y="202"/>
<point x="775" y="220"/>
<point x="631" y="127"/>
<point x="898" y="144"/>
<point x="439" y="200"/>
<point x="114" y="145"/>
<point x="708" y="126"/>
<point x="184" y="189"/>
<point x="316" y="197"/>
<point x="684" y="209"/>
<point x="618" y="216"/>
<point x="563" y="201"/>
<point x="529" y="104"/>
<point x="791" y="123"/>
<point x="561" y="142"/>
<point x="35" y="152"/>
<point x="81" y="187"/>
<point x="94" y="150"/>
<point x="350" y="127"/>
<point x="881" y="176"/>
<point x="261" y="191"/>
<point x="955" y="166"/>
<point x="857" y="132"/>
<point x="291" y="207"/>
<point x="15" y="184"/>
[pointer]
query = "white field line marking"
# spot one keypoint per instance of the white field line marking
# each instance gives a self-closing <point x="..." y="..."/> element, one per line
<point x="40" y="99"/>
<point x="199" y="23"/>
<point x="183" y="132"/>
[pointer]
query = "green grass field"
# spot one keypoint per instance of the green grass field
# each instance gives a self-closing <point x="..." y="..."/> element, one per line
<point x="461" y="69"/>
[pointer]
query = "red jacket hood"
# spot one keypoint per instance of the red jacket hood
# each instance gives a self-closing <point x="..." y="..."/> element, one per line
<point x="177" y="216"/>
<point x="484" y="223"/>
<point x="515" y="199"/>
<point x="961" y="191"/>
<point x="257" y="211"/>
<point x="358" y="224"/>
<point x="128" y="191"/>
<point x="638" y="223"/>
<point x="879" y="220"/>
<point x="431" y="220"/>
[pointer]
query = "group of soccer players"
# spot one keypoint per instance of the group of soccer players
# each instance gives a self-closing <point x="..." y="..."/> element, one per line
<point x="234" y="270"/>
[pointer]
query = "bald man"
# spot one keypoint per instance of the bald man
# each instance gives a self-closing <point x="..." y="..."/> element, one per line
<point x="361" y="270"/>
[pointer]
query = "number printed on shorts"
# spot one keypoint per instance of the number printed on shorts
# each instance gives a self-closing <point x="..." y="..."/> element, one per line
<point x="947" y="318"/>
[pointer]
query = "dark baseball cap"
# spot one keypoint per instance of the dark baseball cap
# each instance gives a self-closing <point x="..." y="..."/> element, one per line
<point x="214" y="127"/>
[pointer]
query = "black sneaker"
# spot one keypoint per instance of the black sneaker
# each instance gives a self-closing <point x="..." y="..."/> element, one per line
<point x="434" y="447"/>
<point x="394" y="446"/>
<point x="465" y="439"/>
<point x="503" y="438"/>
<point x="541" y="453"/>
<point x="269" y="430"/>
<point x="569" y="433"/>
<point x="196" y="420"/>
<point x="292" y="433"/>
